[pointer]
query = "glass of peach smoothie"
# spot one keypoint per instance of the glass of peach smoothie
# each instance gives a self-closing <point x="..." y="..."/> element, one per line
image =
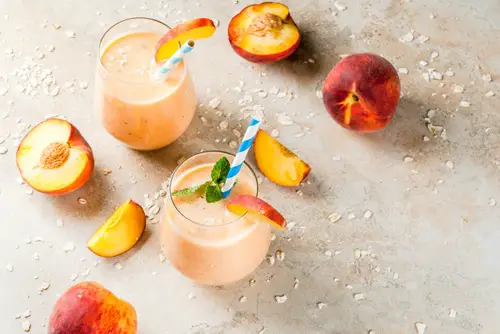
<point x="136" y="109"/>
<point x="205" y="241"/>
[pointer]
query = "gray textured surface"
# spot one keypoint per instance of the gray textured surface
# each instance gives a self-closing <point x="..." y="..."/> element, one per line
<point x="432" y="225"/>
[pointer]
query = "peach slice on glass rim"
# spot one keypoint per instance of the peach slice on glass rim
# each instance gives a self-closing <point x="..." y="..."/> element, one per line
<point x="191" y="30"/>
<point x="54" y="158"/>
<point x="264" y="33"/>
<point x="120" y="232"/>
<point x="278" y="163"/>
<point x="242" y="204"/>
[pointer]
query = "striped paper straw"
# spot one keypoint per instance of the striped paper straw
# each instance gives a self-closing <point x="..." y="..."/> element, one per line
<point x="239" y="159"/>
<point x="176" y="58"/>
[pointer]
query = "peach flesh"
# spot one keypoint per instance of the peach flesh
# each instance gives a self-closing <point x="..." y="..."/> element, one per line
<point x="361" y="92"/>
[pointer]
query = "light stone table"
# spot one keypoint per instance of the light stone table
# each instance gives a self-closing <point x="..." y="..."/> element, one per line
<point x="418" y="237"/>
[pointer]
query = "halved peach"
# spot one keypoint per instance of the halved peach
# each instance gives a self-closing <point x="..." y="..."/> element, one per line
<point x="264" y="33"/>
<point x="191" y="30"/>
<point x="120" y="232"/>
<point x="54" y="158"/>
<point x="241" y="204"/>
<point x="278" y="163"/>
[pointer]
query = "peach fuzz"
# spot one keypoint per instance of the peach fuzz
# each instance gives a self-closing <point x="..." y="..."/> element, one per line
<point x="361" y="92"/>
<point x="264" y="33"/>
<point x="277" y="163"/>
<point x="54" y="158"/>
<point x="120" y="232"/>
<point x="89" y="308"/>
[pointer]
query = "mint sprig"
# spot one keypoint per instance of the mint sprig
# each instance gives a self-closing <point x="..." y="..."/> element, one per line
<point x="212" y="188"/>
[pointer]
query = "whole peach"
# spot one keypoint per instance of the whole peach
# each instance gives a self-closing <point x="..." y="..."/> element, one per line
<point x="362" y="92"/>
<point x="89" y="308"/>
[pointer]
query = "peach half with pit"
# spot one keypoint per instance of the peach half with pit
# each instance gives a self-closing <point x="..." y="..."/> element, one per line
<point x="54" y="158"/>
<point x="120" y="232"/>
<point x="361" y="92"/>
<point x="89" y="308"/>
<point x="278" y="163"/>
<point x="264" y="33"/>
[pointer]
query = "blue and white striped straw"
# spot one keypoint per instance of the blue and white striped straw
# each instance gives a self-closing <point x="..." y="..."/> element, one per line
<point x="176" y="58"/>
<point x="239" y="158"/>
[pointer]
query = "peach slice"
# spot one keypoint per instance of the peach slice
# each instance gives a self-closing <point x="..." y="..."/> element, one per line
<point x="242" y="204"/>
<point x="196" y="29"/>
<point x="89" y="308"/>
<point x="120" y="232"/>
<point x="278" y="163"/>
<point x="54" y="158"/>
<point x="264" y="33"/>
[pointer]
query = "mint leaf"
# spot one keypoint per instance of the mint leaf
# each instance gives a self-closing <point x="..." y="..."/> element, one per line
<point x="220" y="170"/>
<point x="213" y="194"/>
<point x="191" y="190"/>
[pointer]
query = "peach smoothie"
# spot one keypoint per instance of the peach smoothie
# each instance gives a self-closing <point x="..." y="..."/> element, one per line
<point x="204" y="241"/>
<point x="143" y="113"/>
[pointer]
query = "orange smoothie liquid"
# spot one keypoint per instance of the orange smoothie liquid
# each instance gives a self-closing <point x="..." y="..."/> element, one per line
<point x="206" y="242"/>
<point x="134" y="108"/>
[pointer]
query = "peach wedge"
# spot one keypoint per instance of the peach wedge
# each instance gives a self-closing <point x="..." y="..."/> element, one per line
<point x="89" y="308"/>
<point x="264" y="33"/>
<point x="242" y="204"/>
<point x="191" y="30"/>
<point x="120" y="232"/>
<point x="277" y="163"/>
<point x="54" y="158"/>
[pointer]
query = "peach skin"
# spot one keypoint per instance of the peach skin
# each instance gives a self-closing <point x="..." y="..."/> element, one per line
<point x="89" y="308"/>
<point x="242" y="204"/>
<point x="54" y="158"/>
<point x="361" y="92"/>
<point x="120" y="232"/>
<point x="277" y="163"/>
<point x="264" y="33"/>
<point x="195" y="29"/>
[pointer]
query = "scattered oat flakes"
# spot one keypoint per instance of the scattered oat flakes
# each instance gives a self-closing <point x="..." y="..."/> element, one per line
<point x="436" y="75"/>
<point x="275" y="133"/>
<point x="60" y="223"/>
<point x="233" y="144"/>
<point x="434" y="54"/>
<point x="489" y="94"/>
<point x="321" y="305"/>
<point x="351" y="216"/>
<point x="70" y="34"/>
<point x="357" y="253"/>
<point x="408" y="159"/>
<point x="36" y="256"/>
<point x="284" y="119"/>
<point x="243" y="299"/>
<point x="420" y="327"/>
<point x="340" y="7"/>
<point x="426" y="139"/>
<point x="348" y="286"/>
<point x="118" y="265"/>
<point x="45" y="286"/>
<point x="270" y="259"/>
<point x="359" y="296"/>
<point x="328" y="253"/>
<point x="452" y="313"/>
<point x="458" y="89"/>
<point x="486" y="77"/>
<point x="407" y="38"/>
<point x="450" y="164"/>
<point x="395" y="276"/>
<point x="69" y="247"/>
<point x="319" y="93"/>
<point x="82" y="200"/>
<point x="464" y="104"/>
<point x="214" y="103"/>
<point x="423" y="63"/>
<point x="26" y="314"/>
<point x="26" y="325"/>
<point x="426" y="76"/>
<point x="368" y="214"/>
<point x="9" y="267"/>
<point x="423" y="39"/>
<point x="296" y="283"/>
<point x="449" y="73"/>
<point x="73" y="277"/>
<point x="280" y="255"/>
<point x="403" y="70"/>
<point x="252" y="282"/>
<point x="492" y="202"/>
<point x="280" y="299"/>
<point x="161" y="257"/>
<point x="334" y="217"/>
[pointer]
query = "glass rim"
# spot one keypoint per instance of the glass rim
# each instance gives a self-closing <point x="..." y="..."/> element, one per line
<point x="195" y="222"/>
<point x="101" y="65"/>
